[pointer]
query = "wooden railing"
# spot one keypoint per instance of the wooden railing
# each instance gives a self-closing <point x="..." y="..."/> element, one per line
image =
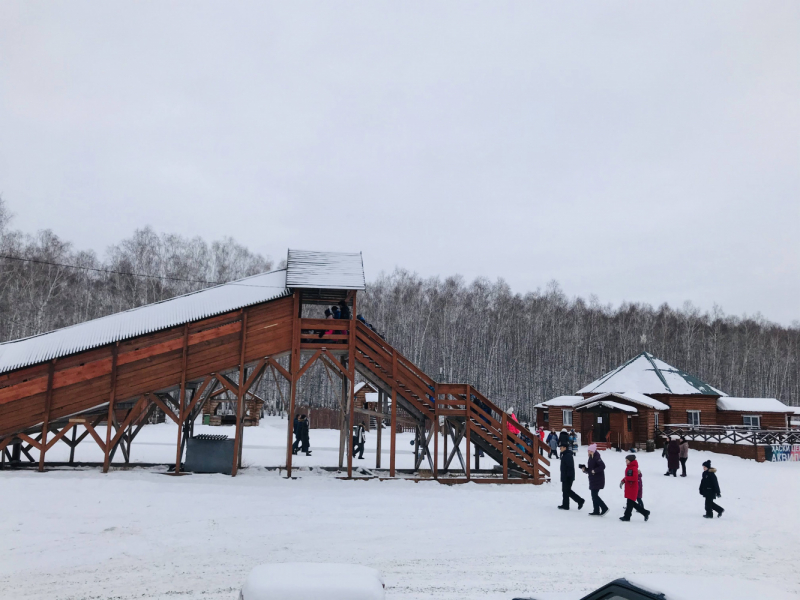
<point x="732" y="434"/>
<point x="325" y="333"/>
<point x="520" y="452"/>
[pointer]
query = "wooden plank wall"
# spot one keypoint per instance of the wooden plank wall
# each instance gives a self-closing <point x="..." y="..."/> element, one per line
<point x="734" y="417"/>
<point x="707" y="405"/>
<point x="144" y="364"/>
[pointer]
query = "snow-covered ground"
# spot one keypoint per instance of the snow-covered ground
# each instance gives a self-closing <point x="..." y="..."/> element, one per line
<point x="141" y="534"/>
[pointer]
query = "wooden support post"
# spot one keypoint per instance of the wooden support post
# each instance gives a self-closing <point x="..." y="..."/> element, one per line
<point x="447" y="427"/>
<point x="343" y="419"/>
<point x="294" y="366"/>
<point x="379" y="422"/>
<point x="72" y="445"/>
<point x="48" y="402"/>
<point x="393" y="431"/>
<point x="181" y="399"/>
<point x="112" y="397"/>
<point x="435" y="426"/>
<point x="351" y="368"/>
<point x="467" y="429"/>
<point x="240" y="399"/>
<point x="504" y="441"/>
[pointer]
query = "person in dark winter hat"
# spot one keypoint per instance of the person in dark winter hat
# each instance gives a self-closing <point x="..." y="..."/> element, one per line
<point x="567" y="479"/>
<point x="596" y="470"/>
<point x="673" y="456"/>
<point x="303" y="427"/>
<point x="709" y="489"/>
<point x="684" y="455"/>
<point x="631" y="483"/>
<point x="344" y="310"/>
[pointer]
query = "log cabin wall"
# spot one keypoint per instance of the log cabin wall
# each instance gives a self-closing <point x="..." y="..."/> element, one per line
<point x="144" y="364"/>
<point x="679" y="405"/>
<point x="768" y="419"/>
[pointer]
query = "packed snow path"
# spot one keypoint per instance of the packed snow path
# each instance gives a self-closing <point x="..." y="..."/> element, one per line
<point x="141" y="534"/>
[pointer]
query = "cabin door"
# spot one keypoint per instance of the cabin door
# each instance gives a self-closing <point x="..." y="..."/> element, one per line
<point x="601" y="426"/>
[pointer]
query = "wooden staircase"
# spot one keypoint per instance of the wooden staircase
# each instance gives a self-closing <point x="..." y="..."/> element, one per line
<point x="464" y="413"/>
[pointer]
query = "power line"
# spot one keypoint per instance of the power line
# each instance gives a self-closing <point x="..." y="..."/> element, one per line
<point x="113" y="272"/>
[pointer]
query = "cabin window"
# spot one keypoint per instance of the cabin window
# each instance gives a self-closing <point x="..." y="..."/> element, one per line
<point x="566" y="415"/>
<point x="655" y="416"/>
<point x="630" y="423"/>
<point x="693" y="417"/>
<point x="546" y="416"/>
<point x="752" y="421"/>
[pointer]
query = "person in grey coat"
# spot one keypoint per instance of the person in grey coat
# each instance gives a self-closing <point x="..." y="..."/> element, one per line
<point x="683" y="455"/>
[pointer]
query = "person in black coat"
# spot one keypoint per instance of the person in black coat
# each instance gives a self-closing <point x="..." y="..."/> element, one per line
<point x="567" y="479"/>
<point x="709" y="489"/>
<point x="596" y="470"/>
<point x="303" y="430"/>
<point x="563" y="439"/>
<point x="344" y="310"/>
<point x="296" y="431"/>
<point x="673" y="456"/>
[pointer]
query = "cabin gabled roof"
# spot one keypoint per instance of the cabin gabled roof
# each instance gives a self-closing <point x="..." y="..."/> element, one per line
<point x="761" y="405"/>
<point x="635" y="397"/>
<point x="647" y="374"/>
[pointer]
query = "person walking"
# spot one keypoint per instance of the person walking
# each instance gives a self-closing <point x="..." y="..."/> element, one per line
<point x="304" y="426"/>
<point x="684" y="455"/>
<point x="640" y="492"/>
<point x="296" y="431"/>
<point x="359" y="439"/>
<point x="595" y="468"/>
<point x="673" y="456"/>
<point x="709" y="489"/>
<point x="567" y="479"/>
<point x="631" y="484"/>
<point x="552" y="443"/>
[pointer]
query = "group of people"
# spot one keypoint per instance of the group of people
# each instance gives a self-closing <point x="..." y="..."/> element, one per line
<point x="563" y="439"/>
<point x="631" y="482"/>
<point x="337" y="311"/>
<point x="301" y="427"/>
<point x="676" y="450"/>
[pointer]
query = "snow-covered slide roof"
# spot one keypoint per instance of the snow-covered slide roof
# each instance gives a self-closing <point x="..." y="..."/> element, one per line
<point x="144" y="319"/>
<point x="760" y="405"/>
<point x="647" y="374"/>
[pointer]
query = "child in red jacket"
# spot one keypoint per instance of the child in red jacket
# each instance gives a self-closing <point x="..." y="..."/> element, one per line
<point x="631" y="483"/>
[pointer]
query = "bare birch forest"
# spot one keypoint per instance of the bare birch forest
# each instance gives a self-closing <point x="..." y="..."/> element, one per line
<point x="518" y="349"/>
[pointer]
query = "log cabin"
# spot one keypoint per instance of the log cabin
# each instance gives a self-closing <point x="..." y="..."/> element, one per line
<point x="627" y="406"/>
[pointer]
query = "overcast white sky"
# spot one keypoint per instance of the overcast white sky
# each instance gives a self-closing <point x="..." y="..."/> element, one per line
<point x="642" y="151"/>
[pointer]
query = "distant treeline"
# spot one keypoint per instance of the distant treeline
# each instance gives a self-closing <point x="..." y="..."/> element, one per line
<point x="517" y="349"/>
